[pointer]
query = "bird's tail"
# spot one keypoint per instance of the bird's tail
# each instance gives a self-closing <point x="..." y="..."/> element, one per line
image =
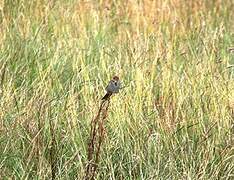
<point x="107" y="96"/>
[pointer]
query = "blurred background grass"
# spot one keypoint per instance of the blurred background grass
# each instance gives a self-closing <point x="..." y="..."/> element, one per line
<point x="174" y="118"/>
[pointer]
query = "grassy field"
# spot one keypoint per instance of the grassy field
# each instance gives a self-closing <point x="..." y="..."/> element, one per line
<point x="174" y="118"/>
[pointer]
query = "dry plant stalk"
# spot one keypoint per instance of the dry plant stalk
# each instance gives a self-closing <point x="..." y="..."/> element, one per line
<point x="52" y="149"/>
<point x="96" y="138"/>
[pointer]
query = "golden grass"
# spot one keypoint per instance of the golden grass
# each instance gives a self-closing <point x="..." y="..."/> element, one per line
<point x="173" y="119"/>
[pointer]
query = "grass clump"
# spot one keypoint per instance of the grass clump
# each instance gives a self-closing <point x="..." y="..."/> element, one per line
<point x="173" y="119"/>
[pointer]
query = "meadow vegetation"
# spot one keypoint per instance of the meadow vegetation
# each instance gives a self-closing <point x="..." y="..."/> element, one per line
<point x="174" y="119"/>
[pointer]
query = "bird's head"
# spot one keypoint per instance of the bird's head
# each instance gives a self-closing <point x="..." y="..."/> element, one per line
<point x="116" y="78"/>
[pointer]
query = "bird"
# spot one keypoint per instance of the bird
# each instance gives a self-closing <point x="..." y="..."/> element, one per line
<point x="112" y="88"/>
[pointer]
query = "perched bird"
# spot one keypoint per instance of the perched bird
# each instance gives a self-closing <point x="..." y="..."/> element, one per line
<point x="113" y="87"/>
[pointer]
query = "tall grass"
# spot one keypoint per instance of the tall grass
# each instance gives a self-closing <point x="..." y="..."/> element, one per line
<point x="174" y="118"/>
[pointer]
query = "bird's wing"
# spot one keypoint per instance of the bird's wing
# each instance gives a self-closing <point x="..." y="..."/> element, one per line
<point x="108" y="87"/>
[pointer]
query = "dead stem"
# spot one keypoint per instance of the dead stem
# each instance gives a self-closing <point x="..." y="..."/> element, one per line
<point x="96" y="139"/>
